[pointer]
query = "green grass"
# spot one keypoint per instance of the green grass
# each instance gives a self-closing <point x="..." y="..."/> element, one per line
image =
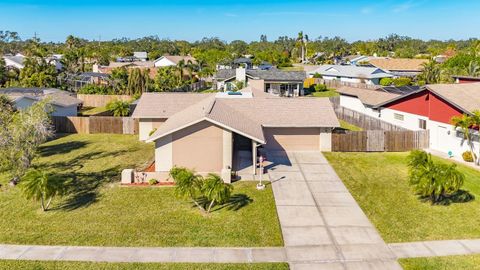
<point x="348" y="126"/>
<point x="51" y="265"/>
<point x="99" y="212"/>
<point x="329" y="93"/>
<point x="442" y="263"/>
<point x="378" y="181"/>
<point x="88" y="111"/>
<point x="297" y="68"/>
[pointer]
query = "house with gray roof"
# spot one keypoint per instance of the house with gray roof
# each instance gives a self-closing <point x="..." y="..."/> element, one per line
<point x="351" y="74"/>
<point x="62" y="102"/>
<point x="14" y="61"/>
<point x="274" y="82"/>
<point x="225" y="133"/>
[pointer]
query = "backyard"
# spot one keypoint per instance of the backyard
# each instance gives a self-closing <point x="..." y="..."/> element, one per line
<point x="378" y="182"/>
<point x="100" y="212"/>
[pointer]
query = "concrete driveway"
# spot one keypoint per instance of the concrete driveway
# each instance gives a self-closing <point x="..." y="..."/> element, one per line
<point x="323" y="227"/>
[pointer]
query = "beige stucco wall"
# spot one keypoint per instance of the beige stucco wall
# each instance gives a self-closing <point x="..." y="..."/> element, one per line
<point x="199" y="147"/>
<point x="292" y="139"/>
<point x="163" y="154"/>
<point x="146" y="125"/>
<point x="326" y="139"/>
<point x="257" y="84"/>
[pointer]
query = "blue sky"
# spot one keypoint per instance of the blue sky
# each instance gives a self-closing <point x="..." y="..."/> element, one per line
<point x="53" y="20"/>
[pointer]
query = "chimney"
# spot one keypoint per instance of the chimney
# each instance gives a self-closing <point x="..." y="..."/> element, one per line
<point x="241" y="74"/>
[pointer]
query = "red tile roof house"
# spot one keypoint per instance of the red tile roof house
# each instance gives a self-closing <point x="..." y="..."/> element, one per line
<point x="220" y="133"/>
<point x="431" y="107"/>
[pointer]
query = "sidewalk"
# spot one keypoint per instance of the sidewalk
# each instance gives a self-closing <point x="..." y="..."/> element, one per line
<point x="436" y="248"/>
<point x="322" y="225"/>
<point x="457" y="159"/>
<point x="128" y="254"/>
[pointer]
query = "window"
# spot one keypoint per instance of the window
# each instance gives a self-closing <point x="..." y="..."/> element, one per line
<point x="398" y="116"/>
<point x="422" y="123"/>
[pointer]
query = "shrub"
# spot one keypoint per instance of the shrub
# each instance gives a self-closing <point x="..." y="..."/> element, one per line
<point x="434" y="182"/>
<point x="317" y="75"/>
<point x="320" y="87"/>
<point x="119" y="107"/>
<point x="151" y="132"/>
<point x="402" y="81"/>
<point x="468" y="157"/>
<point x="386" y="81"/>
<point x="152" y="182"/>
<point x="93" y="89"/>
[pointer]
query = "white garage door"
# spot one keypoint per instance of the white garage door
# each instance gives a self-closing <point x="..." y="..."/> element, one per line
<point x="292" y="139"/>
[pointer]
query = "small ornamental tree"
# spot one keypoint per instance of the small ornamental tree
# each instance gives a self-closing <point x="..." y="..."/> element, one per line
<point x="433" y="181"/>
<point x="119" y="107"/>
<point x="215" y="190"/>
<point x="211" y="189"/>
<point x="42" y="187"/>
<point x="464" y="123"/>
<point x="386" y="81"/>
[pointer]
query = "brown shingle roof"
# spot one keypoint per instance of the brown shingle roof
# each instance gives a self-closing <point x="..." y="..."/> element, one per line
<point x="165" y="105"/>
<point x="398" y="64"/>
<point x="368" y="96"/>
<point x="465" y="96"/>
<point x="248" y="116"/>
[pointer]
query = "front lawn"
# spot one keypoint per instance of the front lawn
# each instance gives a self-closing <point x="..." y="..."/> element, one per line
<point x="100" y="212"/>
<point x="442" y="263"/>
<point x="55" y="265"/>
<point x="378" y="181"/>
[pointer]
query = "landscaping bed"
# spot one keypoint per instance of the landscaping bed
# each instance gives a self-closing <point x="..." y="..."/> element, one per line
<point x="17" y="265"/>
<point x="378" y="182"/>
<point x="100" y="212"/>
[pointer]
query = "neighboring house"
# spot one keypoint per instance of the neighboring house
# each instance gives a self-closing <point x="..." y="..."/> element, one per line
<point x="141" y="56"/>
<point x="172" y="60"/>
<point x="129" y="65"/>
<point x="56" y="60"/>
<point x="427" y="108"/>
<point x="351" y="74"/>
<point x="222" y="135"/>
<point x="466" y="79"/>
<point x="15" y="61"/>
<point x="275" y="82"/>
<point x="399" y="67"/>
<point x="63" y="103"/>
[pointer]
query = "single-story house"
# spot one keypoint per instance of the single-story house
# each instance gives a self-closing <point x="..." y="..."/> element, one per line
<point x="15" y="61"/>
<point x="399" y="67"/>
<point x="275" y="82"/>
<point x="172" y="60"/>
<point x="222" y="135"/>
<point x="466" y="79"/>
<point x="351" y="74"/>
<point x="153" y="109"/>
<point x="427" y="108"/>
<point x="141" y="56"/>
<point x="63" y="103"/>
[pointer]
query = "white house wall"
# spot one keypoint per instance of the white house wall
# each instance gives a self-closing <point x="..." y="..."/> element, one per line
<point x="348" y="79"/>
<point x="443" y="136"/>
<point x="164" y="62"/>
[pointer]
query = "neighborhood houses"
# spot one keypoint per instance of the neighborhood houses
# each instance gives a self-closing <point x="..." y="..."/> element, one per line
<point x="222" y="140"/>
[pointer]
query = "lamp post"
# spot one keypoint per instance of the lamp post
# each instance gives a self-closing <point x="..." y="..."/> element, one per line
<point x="261" y="186"/>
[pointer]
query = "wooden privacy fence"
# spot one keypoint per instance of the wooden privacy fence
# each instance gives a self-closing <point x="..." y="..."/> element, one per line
<point x="380" y="141"/>
<point x="362" y="120"/>
<point x="101" y="100"/>
<point x="95" y="124"/>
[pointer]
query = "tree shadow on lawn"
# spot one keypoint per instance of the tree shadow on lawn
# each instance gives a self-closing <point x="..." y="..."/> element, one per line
<point x="62" y="148"/>
<point x="83" y="187"/>
<point x="461" y="196"/>
<point x="235" y="203"/>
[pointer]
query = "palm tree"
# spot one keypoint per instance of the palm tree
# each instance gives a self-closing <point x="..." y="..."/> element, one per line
<point x="475" y="118"/>
<point x="215" y="190"/>
<point x="464" y="123"/>
<point x="42" y="187"/>
<point x="119" y="107"/>
<point x="431" y="72"/>
<point x="431" y="180"/>
<point x="187" y="184"/>
<point x="181" y="66"/>
<point x="473" y="69"/>
<point x="301" y="43"/>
